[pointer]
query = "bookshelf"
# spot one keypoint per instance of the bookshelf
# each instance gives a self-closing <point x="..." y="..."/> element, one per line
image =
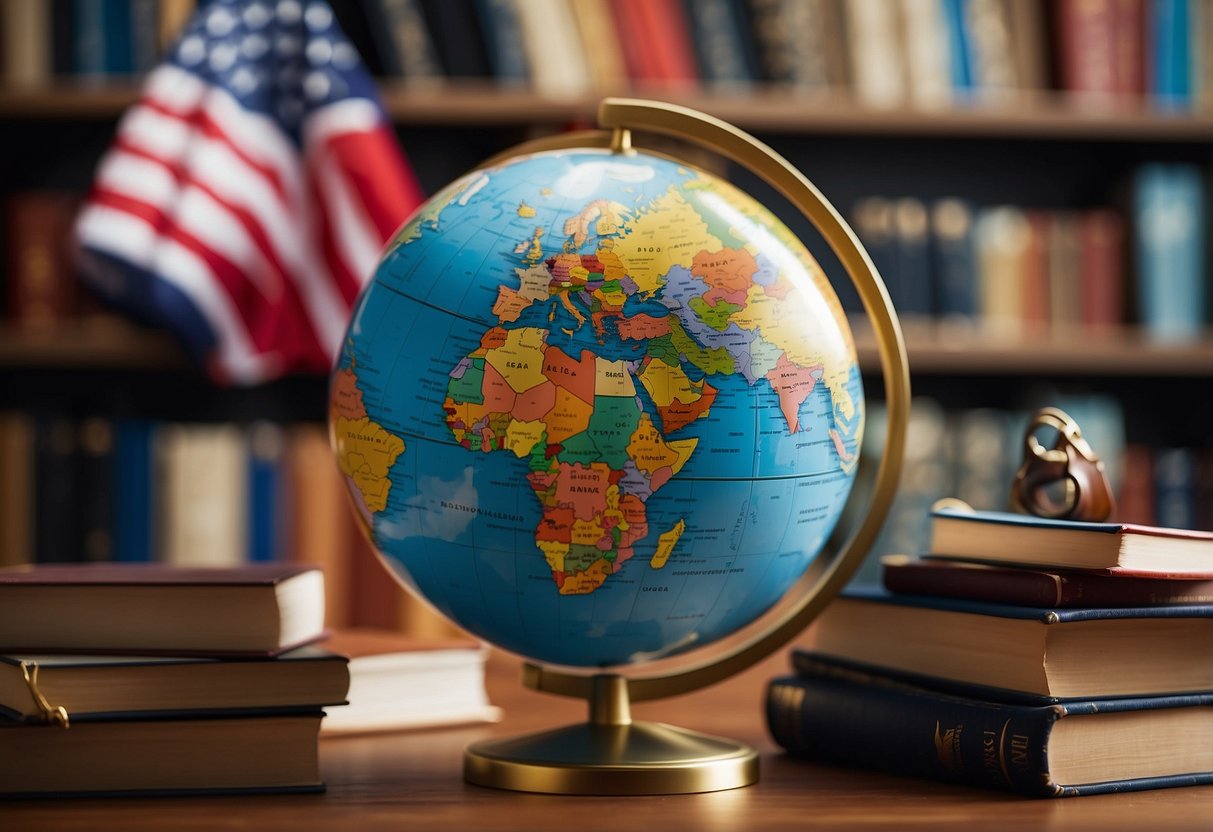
<point x="1048" y="149"/>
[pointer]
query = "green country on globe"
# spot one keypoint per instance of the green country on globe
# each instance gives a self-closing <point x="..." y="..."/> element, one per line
<point x="597" y="408"/>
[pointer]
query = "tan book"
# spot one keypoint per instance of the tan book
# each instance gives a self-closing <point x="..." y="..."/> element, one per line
<point x="16" y="488"/>
<point x="202" y="481"/>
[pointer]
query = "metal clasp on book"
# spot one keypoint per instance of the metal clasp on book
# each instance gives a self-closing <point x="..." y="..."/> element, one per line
<point x="56" y="714"/>
<point x="1066" y="481"/>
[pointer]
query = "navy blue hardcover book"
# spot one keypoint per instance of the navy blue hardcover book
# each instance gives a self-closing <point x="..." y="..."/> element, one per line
<point x="836" y="714"/>
<point x="1078" y="653"/>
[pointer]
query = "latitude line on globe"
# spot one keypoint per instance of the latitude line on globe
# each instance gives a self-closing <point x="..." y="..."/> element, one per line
<point x="420" y="437"/>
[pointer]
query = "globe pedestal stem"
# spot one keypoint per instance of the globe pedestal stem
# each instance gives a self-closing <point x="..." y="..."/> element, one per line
<point x="611" y="754"/>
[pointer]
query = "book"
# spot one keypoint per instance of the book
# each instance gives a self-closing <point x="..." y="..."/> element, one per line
<point x="503" y="37"/>
<point x="266" y="498"/>
<point x="55" y="487"/>
<point x="1168" y="47"/>
<point x="458" y="36"/>
<point x="277" y="753"/>
<point x="798" y="43"/>
<point x="17" y="431"/>
<point x="1006" y="537"/>
<point x="928" y="53"/>
<point x="401" y="682"/>
<point x="110" y="686"/>
<point x="852" y="716"/>
<point x="25" y="31"/>
<point x="724" y="47"/>
<point x="1169" y="238"/>
<point x="94" y="479"/>
<point x="1103" y="246"/>
<point x="133" y="491"/>
<point x="875" y="46"/>
<point x="202" y="485"/>
<point x="953" y="262"/>
<point x="915" y="575"/>
<point x="41" y="286"/>
<point x="1051" y="652"/>
<point x="601" y="45"/>
<point x="554" y="49"/>
<point x="401" y="40"/>
<point x="251" y="610"/>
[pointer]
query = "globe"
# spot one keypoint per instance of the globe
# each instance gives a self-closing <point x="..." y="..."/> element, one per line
<point x="597" y="408"/>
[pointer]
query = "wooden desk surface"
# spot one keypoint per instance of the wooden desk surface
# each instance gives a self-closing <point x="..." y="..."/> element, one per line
<point x="413" y="781"/>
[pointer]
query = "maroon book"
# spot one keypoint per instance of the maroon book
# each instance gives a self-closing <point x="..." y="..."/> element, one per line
<point x="254" y="610"/>
<point x="1033" y="587"/>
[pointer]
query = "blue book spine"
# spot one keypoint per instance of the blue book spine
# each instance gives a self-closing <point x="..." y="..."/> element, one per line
<point x="134" y="504"/>
<point x="1170" y="36"/>
<point x="837" y="715"/>
<point x="265" y="493"/>
<point x="504" y="40"/>
<point x="959" y="49"/>
<point x="722" y="41"/>
<point x="1169" y="227"/>
<point x="953" y="260"/>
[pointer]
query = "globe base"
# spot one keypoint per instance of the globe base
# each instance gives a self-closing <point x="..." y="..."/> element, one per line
<point x="631" y="759"/>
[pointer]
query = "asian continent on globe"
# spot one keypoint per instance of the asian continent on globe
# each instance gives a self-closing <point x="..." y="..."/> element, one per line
<point x="598" y="408"/>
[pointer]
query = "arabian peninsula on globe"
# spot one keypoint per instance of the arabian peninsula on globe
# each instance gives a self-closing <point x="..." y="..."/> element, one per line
<point x="598" y="408"/>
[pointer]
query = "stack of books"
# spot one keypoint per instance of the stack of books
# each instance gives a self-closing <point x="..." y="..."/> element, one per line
<point x="146" y="678"/>
<point x="1045" y="657"/>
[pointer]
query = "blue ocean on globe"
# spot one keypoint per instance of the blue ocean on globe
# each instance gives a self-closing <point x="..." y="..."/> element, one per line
<point x="597" y="408"/>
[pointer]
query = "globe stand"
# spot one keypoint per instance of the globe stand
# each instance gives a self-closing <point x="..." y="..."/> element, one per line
<point x="612" y="755"/>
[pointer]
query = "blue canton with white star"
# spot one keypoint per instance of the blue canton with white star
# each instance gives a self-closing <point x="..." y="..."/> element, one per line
<point x="283" y="59"/>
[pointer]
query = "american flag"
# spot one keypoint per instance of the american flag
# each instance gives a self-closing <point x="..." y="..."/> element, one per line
<point x="248" y="194"/>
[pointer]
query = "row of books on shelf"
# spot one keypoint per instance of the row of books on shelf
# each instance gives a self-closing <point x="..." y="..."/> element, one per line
<point x="926" y="53"/>
<point x="115" y="490"/>
<point x="200" y="680"/>
<point x="913" y="52"/>
<point x="1015" y="270"/>
<point x="1011" y="269"/>
<point x="1046" y="657"/>
<point x="85" y="39"/>
<point x="973" y="453"/>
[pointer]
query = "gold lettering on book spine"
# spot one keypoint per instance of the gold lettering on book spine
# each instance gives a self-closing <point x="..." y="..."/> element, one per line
<point x="50" y="713"/>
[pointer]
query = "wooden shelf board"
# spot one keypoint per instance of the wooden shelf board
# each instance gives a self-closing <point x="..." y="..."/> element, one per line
<point x="1120" y="352"/>
<point x="83" y="346"/>
<point x="931" y="351"/>
<point x="770" y="110"/>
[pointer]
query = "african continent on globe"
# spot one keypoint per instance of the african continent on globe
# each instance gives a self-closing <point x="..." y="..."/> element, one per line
<point x="597" y="408"/>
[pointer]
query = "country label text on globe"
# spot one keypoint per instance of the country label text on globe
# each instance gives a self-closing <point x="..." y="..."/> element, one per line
<point x="598" y="408"/>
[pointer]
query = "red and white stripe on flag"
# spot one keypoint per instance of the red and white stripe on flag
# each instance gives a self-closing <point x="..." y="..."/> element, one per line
<point x="209" y="217"/>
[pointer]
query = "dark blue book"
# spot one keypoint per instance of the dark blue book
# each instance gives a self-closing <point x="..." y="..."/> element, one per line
<point x="134" y="506"/>
<point x="724" y="45"/>
<point x="504" y="40"/>
<point x="850" y="716"/>
<point x="103" y="37"/>
<point x="1048" y="653"/>
<point x="912" y="251"/>
<point x="954" y="262"/>
<point x="266" y="513"/>
<point x="458" y="37"/>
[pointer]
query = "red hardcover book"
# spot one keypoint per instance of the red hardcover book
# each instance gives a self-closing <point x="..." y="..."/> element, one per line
<point x="39" y="276"/>
<point x="670" y="36"/>
<point x="1103" y="255"/>
<point x="1029" y="587"/>
<point x="1086" y="46"/>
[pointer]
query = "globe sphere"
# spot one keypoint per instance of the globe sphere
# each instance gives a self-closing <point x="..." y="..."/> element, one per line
<point x="597" y="408"/>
